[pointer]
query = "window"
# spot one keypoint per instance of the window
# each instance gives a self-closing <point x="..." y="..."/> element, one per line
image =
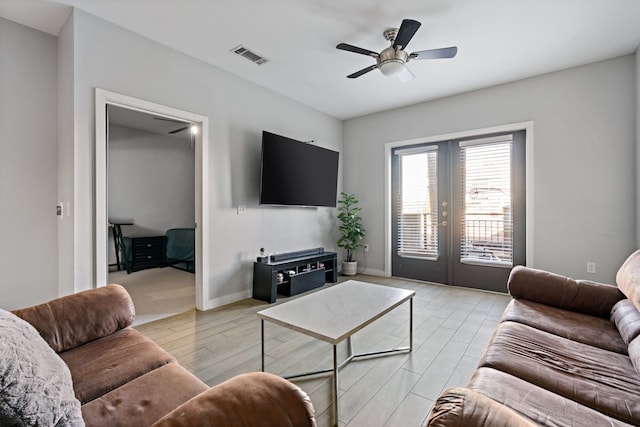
<point x="487" y="222"/>
<point x="418" y="202"/>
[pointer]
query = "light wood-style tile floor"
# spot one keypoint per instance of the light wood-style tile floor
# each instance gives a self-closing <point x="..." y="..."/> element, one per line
<point x="451" y="328"/>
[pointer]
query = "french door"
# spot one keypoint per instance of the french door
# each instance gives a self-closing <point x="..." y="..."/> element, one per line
<point x="459" y="210"/>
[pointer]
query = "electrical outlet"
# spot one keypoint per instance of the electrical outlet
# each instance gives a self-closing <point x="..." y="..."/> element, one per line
<point x="242" y="209"/>
<point x="591" y="267"/>
<point x="366" y="248"/>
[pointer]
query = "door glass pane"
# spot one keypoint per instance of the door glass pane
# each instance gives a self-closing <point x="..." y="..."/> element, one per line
<point x="418" y="204"/>
<point x="487" y="222"/>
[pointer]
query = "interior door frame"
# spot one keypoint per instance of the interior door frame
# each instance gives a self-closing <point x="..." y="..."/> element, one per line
<point x="104" y="98"/>
<point x="529" y="187"/>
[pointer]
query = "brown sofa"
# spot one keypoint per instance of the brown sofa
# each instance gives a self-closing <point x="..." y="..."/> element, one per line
<point x="566" y="353"/>
<point x="122" y="378"/>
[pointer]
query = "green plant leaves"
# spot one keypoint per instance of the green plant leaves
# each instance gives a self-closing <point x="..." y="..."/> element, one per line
<point x="351" y="227"/>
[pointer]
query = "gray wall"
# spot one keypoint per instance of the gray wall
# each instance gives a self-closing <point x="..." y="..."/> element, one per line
<point x="584" y="203"/>
<point x="118" y="60"/>
<point x="151" y="181"/>
<point x="28" y="166"/>
<point x="586" y="179"/>
<point x="66" y="236"/>
<point x="637" y="147"/>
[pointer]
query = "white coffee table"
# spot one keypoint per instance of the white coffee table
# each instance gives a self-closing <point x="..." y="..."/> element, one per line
<point x="335" y="314"/>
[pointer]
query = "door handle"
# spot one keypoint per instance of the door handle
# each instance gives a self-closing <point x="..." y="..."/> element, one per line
<point x="444" y="223"/>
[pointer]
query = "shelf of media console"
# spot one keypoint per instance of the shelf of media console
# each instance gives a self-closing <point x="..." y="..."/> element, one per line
<point x="292" y="276"/>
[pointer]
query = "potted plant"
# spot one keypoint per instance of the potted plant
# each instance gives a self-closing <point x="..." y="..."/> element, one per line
<point x="351" y="230"/>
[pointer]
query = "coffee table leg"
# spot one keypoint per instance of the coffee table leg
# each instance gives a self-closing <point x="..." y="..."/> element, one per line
<point x="262" y="341"/>
<point x="335" y="384"/>
<point x="411" y="324"/>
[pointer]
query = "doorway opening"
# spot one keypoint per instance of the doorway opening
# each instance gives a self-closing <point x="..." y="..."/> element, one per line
<point x="106" y="100"/>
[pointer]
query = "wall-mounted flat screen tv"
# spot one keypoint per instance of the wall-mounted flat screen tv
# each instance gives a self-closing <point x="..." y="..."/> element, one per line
<point x="295" y="173"/>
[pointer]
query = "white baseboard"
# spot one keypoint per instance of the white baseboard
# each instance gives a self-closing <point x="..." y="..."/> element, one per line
<point x="227" y="299"/>
<point x="239" y="296"/>
<point x="374" y="272"/>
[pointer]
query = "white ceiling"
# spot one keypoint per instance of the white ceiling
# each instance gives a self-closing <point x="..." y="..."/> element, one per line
<point x="498" y="40"/>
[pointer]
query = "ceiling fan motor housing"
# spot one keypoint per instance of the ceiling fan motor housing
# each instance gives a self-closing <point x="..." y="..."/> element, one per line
<point x="390" y="34"/>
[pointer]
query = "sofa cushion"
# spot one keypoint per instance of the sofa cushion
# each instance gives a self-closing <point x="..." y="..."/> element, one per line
<point x="597" y="378"/>
<point x="76" y="319"/>
<point x="107" y="363"/>
<point x="626" y="317"/>
<point x="145" y="399"/>
<point x="596" y="331"/>
<point x="35" y="384"/>
<point x="542" y="406"/>
<point x="628" y="278"/>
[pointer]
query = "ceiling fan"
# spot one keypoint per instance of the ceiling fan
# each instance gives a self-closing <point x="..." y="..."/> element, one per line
<point x="188" y="125"/>
<point x="392" y="60"/>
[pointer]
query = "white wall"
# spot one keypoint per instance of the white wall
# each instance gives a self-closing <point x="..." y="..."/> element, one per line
<point x="115" y="59"/>
<point x="584" y="152"/>
<point x="638" y="147"/>
<point x="591" y="106"/>
<point x="65" y="172"/>
<point x="151" y="181"/>
<point x="28" y="165"/>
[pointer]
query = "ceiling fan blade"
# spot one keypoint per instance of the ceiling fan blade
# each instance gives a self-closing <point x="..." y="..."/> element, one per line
<point x="445" y="52"/>
<point x="178" y="130"/>
<point x="406" y="32"/>
<point x="355" y="49"/>
<point x="406" y="75"/>
<point x="363" y="71"/>
<point x="168" y="120"/>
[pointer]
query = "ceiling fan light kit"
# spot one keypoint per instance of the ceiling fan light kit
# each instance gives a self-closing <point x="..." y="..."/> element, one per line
<point x="392" y="60"/>
<point x="391" y="67"/>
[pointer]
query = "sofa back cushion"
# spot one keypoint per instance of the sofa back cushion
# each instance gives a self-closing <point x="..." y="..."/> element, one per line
<point x="583" y="296"/>
<point x="35" y="384"/>
<point x="68" y="322"/>
<point x="628" y="278"/>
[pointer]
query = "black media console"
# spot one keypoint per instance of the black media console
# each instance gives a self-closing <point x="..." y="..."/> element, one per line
<point x="293" y="272"/>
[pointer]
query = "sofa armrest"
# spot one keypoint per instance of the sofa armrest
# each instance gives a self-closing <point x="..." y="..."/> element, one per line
<point x="554" y="290"/>
<point x="464" y="407"/>
<point x="247" y="400"/>
<point x="76" y="319"/>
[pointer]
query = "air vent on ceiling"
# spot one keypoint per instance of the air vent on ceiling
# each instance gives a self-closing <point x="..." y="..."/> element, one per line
<point x="251" y="56"/>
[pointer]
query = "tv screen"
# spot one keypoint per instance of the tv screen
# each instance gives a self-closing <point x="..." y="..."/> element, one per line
<point x="298" y="174"/>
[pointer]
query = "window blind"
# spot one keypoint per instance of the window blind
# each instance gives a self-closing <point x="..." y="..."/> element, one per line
<point x="417" y="202"/>
<point x="487" y="222"/>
